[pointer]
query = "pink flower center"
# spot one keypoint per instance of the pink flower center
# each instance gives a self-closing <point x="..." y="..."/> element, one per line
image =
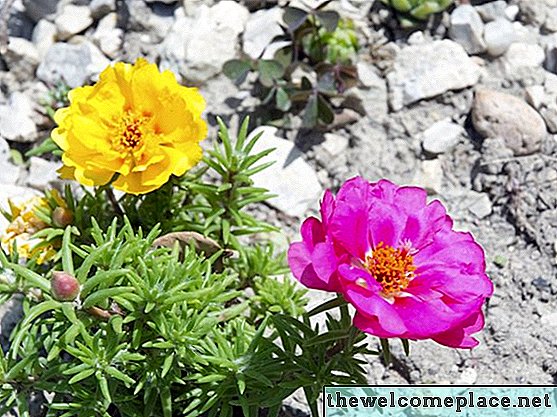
<point x="392" y="268"/>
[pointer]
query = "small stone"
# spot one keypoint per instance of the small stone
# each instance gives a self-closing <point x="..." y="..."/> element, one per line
<point x="550" y="62"/>
<point x="16" y="119"/>
<point x="22" y="58"/>
<point x="468" y="376"/>
<point x="550" y="24"/>
<point x="335" y="144"/>
<point x="40" y="9"/>
<point x="261" y="28"/>
<point x="549" y="319"/>
<point x="535" y="96"/>
<point x="549" y="115"/>
<point x="496" y="114"/>
<point x="216" y="29"/>
<point x="100" y="8"/>
<point x="72" y="20"/>
<point x="429" y="176"/>
<point x="500" y="261"/>
<point x="424" y="71"/>
<point x="10" y="173"/>
<point x="511" y="12"/>
<point x="368" y="75"/>
<point x="74" y="64"/>
<point x="109" y="37"/>
<point x="498" y="35"/>
<point x="416" y="38"/>
<point x="44" y="36"/>
<point x="42" y="173"/>
<point x="441" y="137"/>
<point x="521" y="54"/>
<point x="533" y="12"/>
<point x="481" y="206"/>
<point x="291" y="178"/>
<point x="493" y="10"/>
<point x="467" y="29"/>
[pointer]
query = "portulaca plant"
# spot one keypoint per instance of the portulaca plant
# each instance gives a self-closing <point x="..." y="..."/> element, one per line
<point x="169" y="299"/>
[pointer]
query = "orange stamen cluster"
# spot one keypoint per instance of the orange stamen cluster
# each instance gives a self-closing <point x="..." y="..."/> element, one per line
<point x="392" y="268"/>
<point x="130" y="131"/>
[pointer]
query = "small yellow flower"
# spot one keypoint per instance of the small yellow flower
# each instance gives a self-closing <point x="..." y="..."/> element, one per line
<point x="136" y="124"/>
<point x="25" y="223"/>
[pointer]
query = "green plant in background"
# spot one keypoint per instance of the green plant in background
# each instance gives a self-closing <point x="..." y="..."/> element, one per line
<point x="56" y="98"/>
<point x="410" y="11"/>
<point x="191" y="318"/>
<point x="313" y="66"/>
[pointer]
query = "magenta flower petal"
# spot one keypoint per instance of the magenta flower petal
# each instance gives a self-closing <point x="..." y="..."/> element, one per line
<point x="397" y="260"/>
<point x="460" y="337"/>
<point x="349" y="222"/>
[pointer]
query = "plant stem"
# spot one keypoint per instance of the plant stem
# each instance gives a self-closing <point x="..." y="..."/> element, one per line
<point x="114" y="202"/>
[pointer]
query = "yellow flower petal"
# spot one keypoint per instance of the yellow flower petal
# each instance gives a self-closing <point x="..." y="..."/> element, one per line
<point x="135" y="122"/>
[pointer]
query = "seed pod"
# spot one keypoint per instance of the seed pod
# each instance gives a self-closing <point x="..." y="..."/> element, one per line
<point x="63" y="286"/>
<point x="61" y="217"/>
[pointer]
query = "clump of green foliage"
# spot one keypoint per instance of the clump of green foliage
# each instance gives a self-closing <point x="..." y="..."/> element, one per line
<point x="412" y="11"/>
<point x="182" y="310"/>
<point x="313" y="66"/>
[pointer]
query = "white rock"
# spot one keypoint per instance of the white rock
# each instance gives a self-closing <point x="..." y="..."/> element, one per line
<point x="75" y="64"/>
<point x="512" y="11"/>
<point x="499" y="35"/>
<point x="480" y="206"/>
<point x="535" y="96"/>
<point x="100" y="8"/>
<point x="22" y="58"/>
<point x="467" y="29"/>
<point x="424" y="71"/>
<point x="42" y="173"/>
<point x="367" y="75"/>
<point x="198" y="47"/>
<point x="109" y="37"/>
<point x="261" y="28"/>
<point x="416" y="38"/>
<point x="290" y="177"/>
<point x="44" y="36"/>
<point x="469" y="376"/>
<point x="550" y="24"/>
<point x="549" y="319"/>
<point x="441" y="137"/>
<point x="16" y="119"/>
<point x="524" y="55"/>
<point x="9" y="173"/>
<point x="216" y="29"/>
<point x="429" y="176"/>
<point x="335" y="144"/>
<point x="493" y="10"/>
<point x="72" y="20"/>
<point x="40" y="9"/>
<point x="162" y="1"/>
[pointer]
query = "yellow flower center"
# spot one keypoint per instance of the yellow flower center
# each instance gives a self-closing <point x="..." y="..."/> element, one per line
<point x="392" y="268"/>
<point x="130" y="132"/>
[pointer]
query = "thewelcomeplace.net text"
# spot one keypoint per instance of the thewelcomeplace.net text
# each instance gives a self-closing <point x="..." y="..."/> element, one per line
<point x="458" y="403"/>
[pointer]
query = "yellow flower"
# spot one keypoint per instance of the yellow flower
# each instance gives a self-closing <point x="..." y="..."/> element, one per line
<point x="135" y="124"/>
<point x="25" y="223"/>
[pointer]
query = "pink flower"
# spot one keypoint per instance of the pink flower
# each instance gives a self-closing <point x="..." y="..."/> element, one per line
<point x="397" y="259"/>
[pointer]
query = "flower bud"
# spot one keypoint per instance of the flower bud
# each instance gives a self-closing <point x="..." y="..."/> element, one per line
<point x="61" y="217"/>
<point x="63" y="286"/>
